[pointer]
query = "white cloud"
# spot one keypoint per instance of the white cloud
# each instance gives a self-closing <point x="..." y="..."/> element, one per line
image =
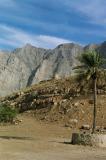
<point x="50" y="41"/>
<point x="94" y="10"/>
<point x="13" y="37"/>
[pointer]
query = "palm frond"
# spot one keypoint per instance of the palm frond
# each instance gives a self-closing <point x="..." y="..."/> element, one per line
<point x="91" y="59"/>
<point x="91" y="62"/>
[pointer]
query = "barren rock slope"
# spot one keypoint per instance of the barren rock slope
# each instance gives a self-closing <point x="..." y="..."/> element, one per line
<point x="29" y="65"/>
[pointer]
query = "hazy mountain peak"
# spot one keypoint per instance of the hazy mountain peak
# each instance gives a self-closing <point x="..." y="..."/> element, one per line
<point x="67" y="45"/>
<point x="28" y="45"/>
<point x="91" y="46"/>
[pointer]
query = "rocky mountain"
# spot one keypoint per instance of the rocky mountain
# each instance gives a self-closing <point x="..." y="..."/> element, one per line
<point x="29" y="65"/>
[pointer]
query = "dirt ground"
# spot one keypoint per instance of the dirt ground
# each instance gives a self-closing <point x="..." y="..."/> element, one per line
<point x="35" y="140"/>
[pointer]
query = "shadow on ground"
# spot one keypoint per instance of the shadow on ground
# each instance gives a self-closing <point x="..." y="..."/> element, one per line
<point x="16" y="138"/>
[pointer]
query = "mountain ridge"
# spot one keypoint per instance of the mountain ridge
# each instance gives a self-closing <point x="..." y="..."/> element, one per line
<point x="29" y="65"/>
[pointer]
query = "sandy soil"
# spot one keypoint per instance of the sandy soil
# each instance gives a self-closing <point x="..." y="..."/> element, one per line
<point x="33" y="140"/>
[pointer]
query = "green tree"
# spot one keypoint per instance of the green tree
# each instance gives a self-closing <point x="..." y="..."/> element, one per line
<point x="7" y="114"/>
<point x="91" y="64"/>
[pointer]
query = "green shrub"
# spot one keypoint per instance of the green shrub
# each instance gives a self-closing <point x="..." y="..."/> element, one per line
<point x="7" y="114"/>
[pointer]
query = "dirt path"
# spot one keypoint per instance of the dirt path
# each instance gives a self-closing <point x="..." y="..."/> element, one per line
<point x="32" y="140"/>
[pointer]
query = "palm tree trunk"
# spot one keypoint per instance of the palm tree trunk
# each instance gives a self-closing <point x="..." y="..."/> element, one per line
<point x="95" y="105"/>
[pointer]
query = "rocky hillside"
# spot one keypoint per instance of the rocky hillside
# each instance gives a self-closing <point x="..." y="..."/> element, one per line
<point x="29" y="65"/>
<point x="60" y="101"/>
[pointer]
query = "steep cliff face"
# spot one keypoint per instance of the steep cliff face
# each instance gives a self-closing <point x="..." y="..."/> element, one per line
<point x="29" y="65"/>
<point x="18" y="68"/>
<point x="58" y="62"/>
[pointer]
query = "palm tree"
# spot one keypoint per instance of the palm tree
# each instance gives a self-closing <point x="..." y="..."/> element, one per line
<point x="92" y="63"/>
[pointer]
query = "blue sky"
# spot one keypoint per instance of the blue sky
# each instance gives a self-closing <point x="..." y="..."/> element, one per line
<point x="47" y="23"/>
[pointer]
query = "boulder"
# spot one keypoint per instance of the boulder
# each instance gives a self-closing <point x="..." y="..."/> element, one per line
<point x="98" y="140"/>
<point x="85" y="127"/>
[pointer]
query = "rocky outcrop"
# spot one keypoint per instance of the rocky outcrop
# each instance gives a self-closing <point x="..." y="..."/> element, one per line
<point x="29" y="65"/>
<point x="60" y="101"/>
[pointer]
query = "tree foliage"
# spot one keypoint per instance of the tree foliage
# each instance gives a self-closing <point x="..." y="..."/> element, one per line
<point x="7" y="114"/>
<point x="91" y="67"/>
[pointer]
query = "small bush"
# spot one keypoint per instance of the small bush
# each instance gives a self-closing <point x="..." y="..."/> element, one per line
<point x="7" y="114"/>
